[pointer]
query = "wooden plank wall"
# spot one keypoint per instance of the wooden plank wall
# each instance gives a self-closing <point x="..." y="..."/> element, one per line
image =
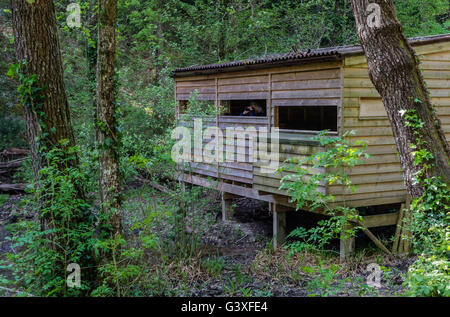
<point x="380" y="180"/>
<point x="240" y="168"/>
<point x="341" y="84"/>
<point x="241" y="85"/>
<point x="266" y="181"/>
<point x="314" y="84"/>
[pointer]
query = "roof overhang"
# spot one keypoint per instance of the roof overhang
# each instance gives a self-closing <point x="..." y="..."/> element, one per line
<point x="243" y="67"/>
<point x="296" y="58"/>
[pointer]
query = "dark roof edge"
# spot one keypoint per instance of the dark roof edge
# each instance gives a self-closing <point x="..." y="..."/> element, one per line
<point x="415" y="41"/>
<point x="322" y="55"/>
<point x="260" y="65"/>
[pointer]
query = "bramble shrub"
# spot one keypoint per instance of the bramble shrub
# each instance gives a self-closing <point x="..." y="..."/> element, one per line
<point x="150" y="158"/>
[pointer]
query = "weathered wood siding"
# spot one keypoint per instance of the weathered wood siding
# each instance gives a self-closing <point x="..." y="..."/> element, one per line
<point x="380" y="179"/>
<point x="343" y="84"/>
<point x="206" y="89"/>
<point x="240" y="167"/>
<point x="310" y="85"/>
<point x="266" y="181"/>
<point x="313" y="84"/>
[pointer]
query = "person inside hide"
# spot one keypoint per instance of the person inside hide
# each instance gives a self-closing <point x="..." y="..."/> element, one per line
<point x="252" y="110"/>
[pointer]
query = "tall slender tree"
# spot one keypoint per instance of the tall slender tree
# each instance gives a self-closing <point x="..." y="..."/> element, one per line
<point x="395" y="72"/>
<point x="107" y="115"/>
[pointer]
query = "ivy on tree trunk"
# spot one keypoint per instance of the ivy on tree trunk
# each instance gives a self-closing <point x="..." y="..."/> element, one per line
<point x="394" y="70"/>
<point x="37" y="45"/>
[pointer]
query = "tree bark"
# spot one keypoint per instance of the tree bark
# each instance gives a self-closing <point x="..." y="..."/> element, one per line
<point x="394" y="71"/>
<point x="107" y="123"/>
<point x="37" y="43"/>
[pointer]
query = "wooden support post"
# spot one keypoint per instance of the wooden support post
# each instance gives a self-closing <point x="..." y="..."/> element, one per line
<point x="279" y="226"/>
<point x="227" y="206"/>
<point x="347" y="244"/>
<point x="405" y="240"/>
<point x="398" y="231"/>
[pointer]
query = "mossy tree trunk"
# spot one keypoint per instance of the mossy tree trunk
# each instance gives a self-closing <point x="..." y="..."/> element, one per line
<point x="394" y="70"/>
<point x="37" y="43"/>
<point x="107" y="115"/>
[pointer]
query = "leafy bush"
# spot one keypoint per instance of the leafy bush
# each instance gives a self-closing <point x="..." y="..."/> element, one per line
<point x="12" y="132"/>
<point x="304" y="189"/>
<point x="150" y="259"/>
<point x="64" y="233"/>
<point x="430" y="225"/>
<point x="429" y="276"/>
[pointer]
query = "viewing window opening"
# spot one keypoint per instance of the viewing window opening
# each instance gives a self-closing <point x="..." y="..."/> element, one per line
<point x="256" y="108"/>
<point x="312" y="118"/>
<point x="197" y="107"/>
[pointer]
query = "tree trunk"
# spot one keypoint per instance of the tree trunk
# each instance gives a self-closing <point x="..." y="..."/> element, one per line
<point x="91" y="53"/>
<point x="37" y="43"/>
<point x="107" y="136"/>
<point x="395" y="73"/>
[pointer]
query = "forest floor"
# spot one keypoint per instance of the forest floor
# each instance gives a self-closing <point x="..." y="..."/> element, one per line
<point x="241" y="262"/>
<point x="252" y="268"/>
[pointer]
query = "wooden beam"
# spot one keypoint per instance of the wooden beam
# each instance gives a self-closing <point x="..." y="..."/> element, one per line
<point x="376" y="241"/>
<point x="347" y="244"/>
<point x="279" y="226"/>
<point x="225" y="187"/>
<point x="227" y="206"/>
<point x="398" y="230"/>
<point x="7" y="188"/>
<point x="380" y="220"/>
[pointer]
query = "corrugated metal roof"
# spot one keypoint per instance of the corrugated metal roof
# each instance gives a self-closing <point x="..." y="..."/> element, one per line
<point x="294" y="55"/>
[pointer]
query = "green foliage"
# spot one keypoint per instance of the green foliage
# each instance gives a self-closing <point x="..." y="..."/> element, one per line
<point x="305" y="189"/>
<point x="420" y="18"/>
<point x="213" y="266"/>
<point x="64" y="234"/>
<point x="12" y="130"/>
<point x="430" y="223"/>
<point x="429" y="276"/>
<point x="431" y="218"/>
<point x="199" y="108"/>
<point x="3" y="199"/>
<point x="166" y="236"/>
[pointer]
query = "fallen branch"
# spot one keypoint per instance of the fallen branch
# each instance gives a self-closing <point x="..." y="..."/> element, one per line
<point x="12" y="187"/>
<point x="154" y="185"/>
<point x="14" y="151"/>
<point x="13" y="164"/>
